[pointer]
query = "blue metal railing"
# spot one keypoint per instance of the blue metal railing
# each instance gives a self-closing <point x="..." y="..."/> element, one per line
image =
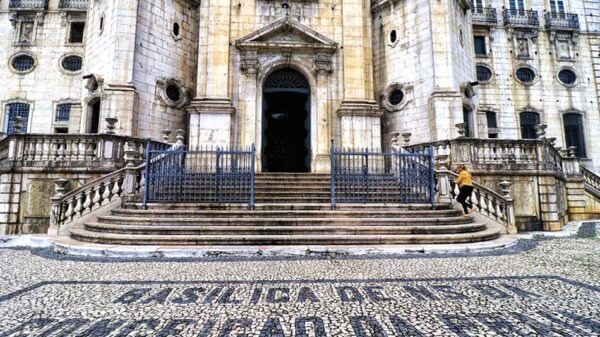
<point x="208" y="175"/>
<point x="363" y="176"/>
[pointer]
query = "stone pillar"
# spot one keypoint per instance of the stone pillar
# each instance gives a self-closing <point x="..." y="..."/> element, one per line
<point x="549" y="206"/>
<point x="444" y="194"/>
<point x="321" y="160"/>
<point x="511" y="227"/>
<point x="250" y="129"/>
<point x="211" y="110"/>
<point x="574" y="186"/>
<point x="360" y="114"/>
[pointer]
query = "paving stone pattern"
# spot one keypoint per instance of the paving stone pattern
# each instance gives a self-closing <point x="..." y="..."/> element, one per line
<point x="551" y="288"/>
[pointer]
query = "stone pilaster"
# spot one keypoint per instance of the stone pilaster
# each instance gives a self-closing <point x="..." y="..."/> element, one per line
<point x="359" y="113"/>
<point x="210" y="122"/>
<point x="360" y="124"/>
<point x="210" y="113"/>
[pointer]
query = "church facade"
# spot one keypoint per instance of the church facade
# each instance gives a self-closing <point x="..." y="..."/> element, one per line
<point x="290" y="76"/>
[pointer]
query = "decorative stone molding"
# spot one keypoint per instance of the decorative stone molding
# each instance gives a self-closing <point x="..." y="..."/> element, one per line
<point x="286" y="37"/>
<point x="249" y="62"/>
<point x="211" y="106"/>
<point x="359" y="108"/>
<point x="392" y="89"/>
<point x="173" y="92"/>
<point x="323" y="64"/>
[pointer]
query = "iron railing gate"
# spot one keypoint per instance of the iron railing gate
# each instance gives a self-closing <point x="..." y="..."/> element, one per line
<point x="208" y="175"/>
<point x="361" y="176"/>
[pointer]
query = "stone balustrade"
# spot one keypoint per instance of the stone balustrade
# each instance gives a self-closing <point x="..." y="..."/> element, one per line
<point x="499" y="208"/>
<point x="90" y="197"/>
<point x="70" y="151"/>
<point x="591" y="180"/>
<point x="499" y="154"/>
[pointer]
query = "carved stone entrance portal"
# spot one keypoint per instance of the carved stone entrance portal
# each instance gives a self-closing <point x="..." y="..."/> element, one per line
<point x="286" y="122"/>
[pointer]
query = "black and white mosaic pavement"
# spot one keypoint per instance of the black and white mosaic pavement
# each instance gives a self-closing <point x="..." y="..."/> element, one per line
<point x="550" y="289"/>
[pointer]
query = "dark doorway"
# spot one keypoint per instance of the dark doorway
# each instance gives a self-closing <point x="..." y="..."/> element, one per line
<point x="94" y="115"/>
<point x="286" y="122"/>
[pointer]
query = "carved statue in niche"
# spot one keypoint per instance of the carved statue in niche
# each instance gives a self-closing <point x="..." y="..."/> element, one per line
<point x="26" y="33"/>
<point x="563" y="51"/>
<point x="522" y="47"/>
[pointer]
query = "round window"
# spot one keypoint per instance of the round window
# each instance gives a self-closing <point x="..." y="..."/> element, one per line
<point x="72" y="63"/>
<point x="173" y="93"/>
<point x="484" y="74"/>
<point x="567" y="76"/>
<point x="393" y="36"/>
<point x="525" y="75"/>
<point x="396" y="97"/>
<point x="23" y="63"/>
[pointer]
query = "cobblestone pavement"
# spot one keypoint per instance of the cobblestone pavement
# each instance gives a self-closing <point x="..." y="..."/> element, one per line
<point x="546" y="288"/>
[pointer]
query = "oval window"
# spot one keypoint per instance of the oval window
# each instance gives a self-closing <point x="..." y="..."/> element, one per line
<point x="173" y="93"/>
<point x="484" y="74"/>
<point x="396" y="97"/>
<point x="525" y="75"/>
<point x="176" y="29"/>
<point x="23" y="63"/>
<point x="72" y="63"/>
<point x="567" y="76"/>
<point x="393" y="36"/>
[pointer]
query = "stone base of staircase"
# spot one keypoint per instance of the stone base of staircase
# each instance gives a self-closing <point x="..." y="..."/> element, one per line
<point x="291" y="210"/>
<point x="68" y="246"/>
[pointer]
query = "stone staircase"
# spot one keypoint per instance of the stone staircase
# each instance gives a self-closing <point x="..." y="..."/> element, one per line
<point x="291" y="209"/>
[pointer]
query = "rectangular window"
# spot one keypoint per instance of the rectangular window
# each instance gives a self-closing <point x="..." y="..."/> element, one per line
<point x="468" y="120"/>
<point x="529" y="121"/>
<point x="517" y="4"/>
<point x="63" y="113"/>
<point x="480" y="45"/>
<point x="574" y="133"/>
<point x="13" y="111"/>
<point x="557" y="6"/>
<point x="61" y="130"/>
<point x="76" y="32"/>
<point x="491" y="119"/>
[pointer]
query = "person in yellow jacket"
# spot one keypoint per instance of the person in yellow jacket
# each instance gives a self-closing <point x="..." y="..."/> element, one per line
<point x="465" y="185"/>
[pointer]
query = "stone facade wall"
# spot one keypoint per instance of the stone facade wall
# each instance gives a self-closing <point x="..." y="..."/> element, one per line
<point x="547" y="52"/>
<point x="162" y="55"/>
<point x="425" y="50"/>
<point x="45" y="38"/>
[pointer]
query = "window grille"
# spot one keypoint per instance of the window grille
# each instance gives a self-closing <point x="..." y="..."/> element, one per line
<point x="72" y="63"/>
<point x="484" y="74"/>
<point x="17" y="110"/>
<point x="23" y="63"/>
<point x="525" y="75"/>
<point x="76" y="33"/>
<point x="286" y="78"/>
<point x="63" y="113"/>
<point x="567" y="76"/>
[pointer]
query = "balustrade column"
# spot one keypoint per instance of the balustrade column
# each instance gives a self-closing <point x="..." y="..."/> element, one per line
<point x="511" y="227"/>
<point x="57" y="213"/>
<point x="444" y="194"/>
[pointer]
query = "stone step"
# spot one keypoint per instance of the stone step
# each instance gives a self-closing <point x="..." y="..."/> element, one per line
<point x="281" y="230"/>
<point x="286" y="206"/>
<point x="289" y="221"/>
<point x="82" y="234"/>
<point x="374" y="213"/>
